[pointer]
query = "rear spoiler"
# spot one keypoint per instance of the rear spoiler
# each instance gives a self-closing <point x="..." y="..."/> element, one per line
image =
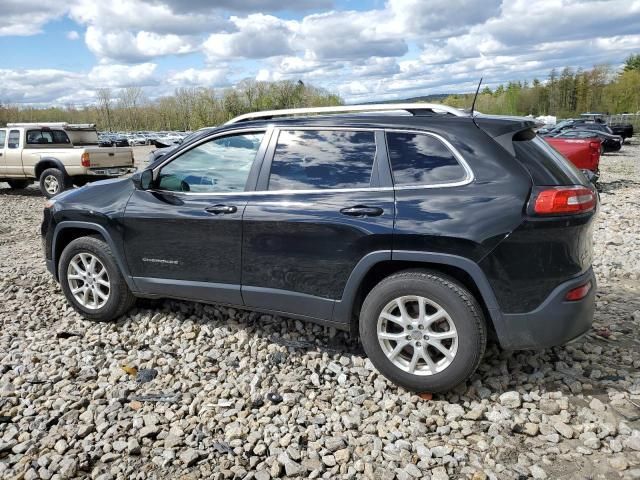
<point x="503" y="128"/>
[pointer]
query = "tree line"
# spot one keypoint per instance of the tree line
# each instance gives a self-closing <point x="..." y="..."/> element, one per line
<point x="565" y="94"/>
<point x="187" y="109"/>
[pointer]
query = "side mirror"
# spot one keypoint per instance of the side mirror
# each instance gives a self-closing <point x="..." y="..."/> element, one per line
<point x="146" y="179"/>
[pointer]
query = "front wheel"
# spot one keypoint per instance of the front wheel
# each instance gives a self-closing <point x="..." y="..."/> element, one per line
<point x="53" y="182"/>
<point x="91" y="280"/>
<point x="423" y="331"/>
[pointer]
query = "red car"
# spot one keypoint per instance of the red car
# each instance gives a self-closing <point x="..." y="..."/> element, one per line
<point x="584" y="153"/>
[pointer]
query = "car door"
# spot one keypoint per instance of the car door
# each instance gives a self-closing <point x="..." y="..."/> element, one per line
<point x="183" y="236"/>
<point x="320" y="207"/>
<point x="3" y="151"/>
<point x="13" y="154"/>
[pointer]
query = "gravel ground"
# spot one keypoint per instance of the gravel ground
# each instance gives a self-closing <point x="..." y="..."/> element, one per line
<point x="242" y="395"/>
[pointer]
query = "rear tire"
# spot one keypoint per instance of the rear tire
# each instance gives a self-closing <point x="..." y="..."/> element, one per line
<point x="444" y="345"/>
<point x="91" y="280"/>
<point x="53" y="182"/>
<point x="18" y="184"/>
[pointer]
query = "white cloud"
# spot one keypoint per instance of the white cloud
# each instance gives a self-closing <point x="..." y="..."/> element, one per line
<point x="192" y="77"/>
<point x="129" y="47"/>
<point x="258" y="36"/>
<point x="123" y="75"/>
<point x="26" y="17"/>
<point x="72" y="35"/>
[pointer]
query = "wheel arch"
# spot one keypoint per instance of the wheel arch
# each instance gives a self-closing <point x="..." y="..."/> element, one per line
<point x="67" y="231"/>
<point x="48" y="162"/>
<point x="378" y="265"/>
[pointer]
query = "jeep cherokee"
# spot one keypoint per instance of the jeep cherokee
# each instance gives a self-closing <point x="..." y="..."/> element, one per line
<point x="419" y="226"/>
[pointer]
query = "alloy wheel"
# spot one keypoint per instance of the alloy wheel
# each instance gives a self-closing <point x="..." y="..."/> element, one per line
<point x="88" y="281"/>
<point x="417" y="335"/>
<point x="51" y="184"/>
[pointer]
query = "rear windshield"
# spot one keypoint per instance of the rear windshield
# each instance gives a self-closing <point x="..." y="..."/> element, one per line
<point x="40" y="137"/>
<point x="546" y="165"/>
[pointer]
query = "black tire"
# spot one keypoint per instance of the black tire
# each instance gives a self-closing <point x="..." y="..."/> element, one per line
<point x="18" y="184"/>
<point x="120" y="298"/>
<point x="62" y="179"/>
<point x="460" y="305"/>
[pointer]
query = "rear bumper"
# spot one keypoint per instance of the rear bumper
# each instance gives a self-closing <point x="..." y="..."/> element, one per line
<point x="555" y="322"/>
<point x="111" y="171"/>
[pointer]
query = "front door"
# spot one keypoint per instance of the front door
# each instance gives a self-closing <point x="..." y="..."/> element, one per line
<point x="318" y="210"/>
<point x="183" y="237"/>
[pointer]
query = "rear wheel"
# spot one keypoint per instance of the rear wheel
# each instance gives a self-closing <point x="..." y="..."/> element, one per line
<point x="53" y="182"/>
<point x="19" y="184"/>
<point x="91" y="280"/>
<point x="423" y="330"/>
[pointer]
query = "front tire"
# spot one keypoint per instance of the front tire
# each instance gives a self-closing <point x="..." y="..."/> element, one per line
<point x="91" y="280"/>
<point x="18" y="184"/>
<point x="53" y="182"/>
<point x="423" y="331"/>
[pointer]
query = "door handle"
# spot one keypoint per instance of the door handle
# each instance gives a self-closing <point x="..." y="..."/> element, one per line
<point x="362" y="211"/>
<point x="224" y="209"/>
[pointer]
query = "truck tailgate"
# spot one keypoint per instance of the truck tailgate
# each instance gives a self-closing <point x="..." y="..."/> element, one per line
<point x="103" y="157"/>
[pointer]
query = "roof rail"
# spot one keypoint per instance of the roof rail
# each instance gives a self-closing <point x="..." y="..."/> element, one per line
<point x="413" y="108"/>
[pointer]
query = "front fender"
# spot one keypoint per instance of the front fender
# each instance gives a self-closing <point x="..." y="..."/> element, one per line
<point x="60" y="227"/>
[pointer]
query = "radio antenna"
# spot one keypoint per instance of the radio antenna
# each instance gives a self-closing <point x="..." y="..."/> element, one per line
<point x="475" y="97"/>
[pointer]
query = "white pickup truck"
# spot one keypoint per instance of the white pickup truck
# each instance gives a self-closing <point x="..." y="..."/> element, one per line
<point x="58" y="156"/>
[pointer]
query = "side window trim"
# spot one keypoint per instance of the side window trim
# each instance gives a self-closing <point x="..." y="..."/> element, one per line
<point x="470" y="177"/>
<point x="253" y="172"/>
<point x="262" y="186"/>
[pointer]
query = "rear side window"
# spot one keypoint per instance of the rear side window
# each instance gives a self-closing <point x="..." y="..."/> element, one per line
<point x="546" y="165"/>
<point x="320" y="159"/>
<point x="14" y="139"/>
<point x="37" y="137"/>
<point x="420" y="159"/>
<point x="3" y="137"/>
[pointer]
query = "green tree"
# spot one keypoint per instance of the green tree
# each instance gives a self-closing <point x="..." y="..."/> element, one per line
<point x="632" y="63"/>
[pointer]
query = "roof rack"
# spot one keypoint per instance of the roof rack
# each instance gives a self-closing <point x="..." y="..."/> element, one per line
<point x="412" y="108"/>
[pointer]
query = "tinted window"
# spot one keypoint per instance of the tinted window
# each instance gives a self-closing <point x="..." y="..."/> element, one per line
<point x="3" y="137"/>
<point x="220" y="165"/>
<point x="14" y="139"/>
<point x="312" y="159"/>
<point x="546" y="165"/>
<point x="35" y="137"/>
<point x="418" y="159"/>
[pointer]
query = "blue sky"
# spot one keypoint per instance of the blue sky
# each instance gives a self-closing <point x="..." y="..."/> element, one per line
<point x="61" y="52"/>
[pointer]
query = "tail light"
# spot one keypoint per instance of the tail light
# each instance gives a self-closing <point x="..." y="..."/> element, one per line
<point x="564" y="200"/>
<point x="578" y="293"/>
<point x="84" y="160"/>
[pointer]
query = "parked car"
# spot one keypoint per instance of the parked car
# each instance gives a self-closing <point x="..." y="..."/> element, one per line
<point x="424" y="232"/>
<point x="584" y="153"/>
<point x="46" y="152"/>
<point x="609" y="143"/>
<point x="625" y="130"/>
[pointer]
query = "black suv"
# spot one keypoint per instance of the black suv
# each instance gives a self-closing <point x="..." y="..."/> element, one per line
<point x="423" y="227"/>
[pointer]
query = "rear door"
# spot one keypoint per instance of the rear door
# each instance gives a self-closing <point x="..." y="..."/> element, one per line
<point x="3" y="146"/>
<point x="13" y="154"/>
<point x="319" y="208"/>
<point x="183" y="237"/>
